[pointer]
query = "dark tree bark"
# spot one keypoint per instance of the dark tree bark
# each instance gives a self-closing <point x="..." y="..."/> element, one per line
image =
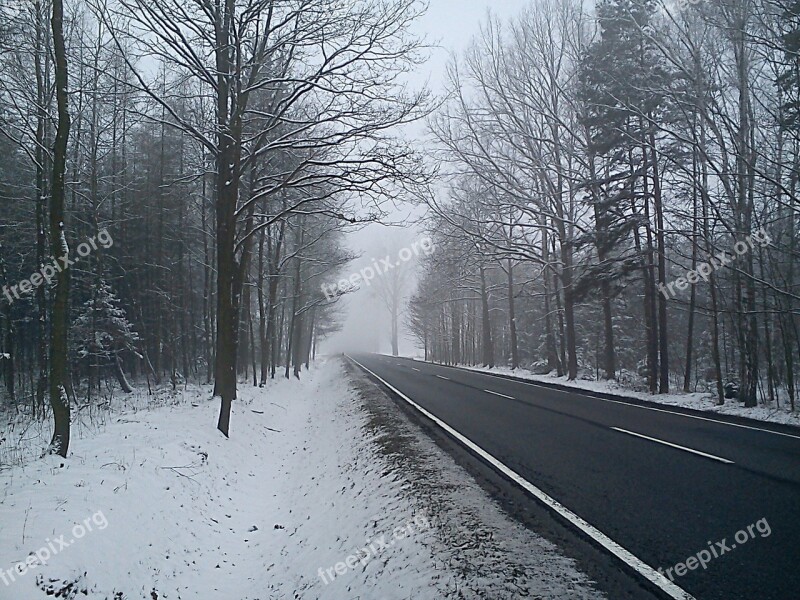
<point x="603" y="245"/>
<point x="553" y="361"/>
<point x="687" y="372"/>
<point x="228" y="177"/>
<point x="59" y="247"/>
<point x="486" y="338"/>
<point x="120" y="375"/>
<point x="9" y="338"/>
<point x="512" y="317"/>
<point x="663" y="337"/>
<point x="455" y="328"/>
<point x="41" y="199"/>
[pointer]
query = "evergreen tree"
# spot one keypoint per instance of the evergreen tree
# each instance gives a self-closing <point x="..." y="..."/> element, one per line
<point x="622" y="92"/>
<point x="103" y="333"/>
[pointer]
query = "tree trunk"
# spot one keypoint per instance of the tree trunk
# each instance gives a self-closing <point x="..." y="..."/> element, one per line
<point x="687" y="371"/>
<point x="663" y="337"/>
<point x="488" y="347"/>
<point x="512" y="319"/>
<point x="394" y="316"/>
<point x="715" y="354"/>
<point x="59" y="247"/>
<point x="569" y="311"/>
<point x="603" y="248"/>
<point x="553" y="361"/>
<point x="227" y="319"/>
<point x="41" y="198"/>
<point x="10" y="336"/>
<point x="120" y="375"/>
<point x="262" y="308"/>
<point x="651" y="316"/>
<point x="455" y="328"/>
<point x="228" y="178"/>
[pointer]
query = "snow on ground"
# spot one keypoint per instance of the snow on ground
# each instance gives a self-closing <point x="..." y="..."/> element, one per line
<point x="698" y="401"/>
<point x="303" y="501"/>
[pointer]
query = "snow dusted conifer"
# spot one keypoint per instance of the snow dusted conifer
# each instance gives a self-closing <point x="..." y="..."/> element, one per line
<point x="103" y="333"/>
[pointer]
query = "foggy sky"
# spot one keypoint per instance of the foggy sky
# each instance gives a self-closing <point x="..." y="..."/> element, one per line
<point x="449" y="25"/>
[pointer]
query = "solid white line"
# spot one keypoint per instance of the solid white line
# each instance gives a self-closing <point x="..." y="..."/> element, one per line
<point x="581" y="392"/>
<point x="652" y="439"/>
<point x="499" y="394"/>
<point x="445" y="378"/>
<point x="645" y="570"/>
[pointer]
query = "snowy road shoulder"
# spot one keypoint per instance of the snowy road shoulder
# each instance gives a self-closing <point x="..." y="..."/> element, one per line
<point x="481" y="551"/>
<point x="315" y="495"/>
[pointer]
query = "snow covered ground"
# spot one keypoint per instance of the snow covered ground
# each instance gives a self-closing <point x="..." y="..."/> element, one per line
<point x="697" y="401"/>
<point x="313" y="496"/>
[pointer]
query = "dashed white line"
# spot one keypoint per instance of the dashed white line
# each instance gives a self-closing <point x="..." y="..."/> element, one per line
<point x="499" y="394"/>
<point x="580" y="392"/>
<point x="445" y="378"/>
<point x="645" y="570"/>
<point x="415" y="369"/>
<point x="652" y="439"/>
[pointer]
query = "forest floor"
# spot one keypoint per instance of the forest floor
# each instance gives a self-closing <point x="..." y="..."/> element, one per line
<point x="323" y="491"/>
<point x="704" y="401"/>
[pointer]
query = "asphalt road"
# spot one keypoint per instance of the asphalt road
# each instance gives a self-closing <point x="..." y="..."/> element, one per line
<point x="665" y="486"/>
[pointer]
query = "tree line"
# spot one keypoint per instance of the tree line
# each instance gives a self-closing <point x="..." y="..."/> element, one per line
<point x="593" y="156"/>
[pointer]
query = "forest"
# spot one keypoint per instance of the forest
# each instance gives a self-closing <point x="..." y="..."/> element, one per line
<point x="611" y="191"/>
<point x="222" y="149"/>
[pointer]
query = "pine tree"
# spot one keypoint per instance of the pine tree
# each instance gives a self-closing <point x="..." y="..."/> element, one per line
<point x="622" y="83"/>
<point x="103" y="333"/>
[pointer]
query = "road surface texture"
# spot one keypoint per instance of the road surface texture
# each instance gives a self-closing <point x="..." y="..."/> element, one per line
<point x="667" y="487"/>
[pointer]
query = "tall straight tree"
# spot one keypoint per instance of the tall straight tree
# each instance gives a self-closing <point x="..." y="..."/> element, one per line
<point x="59" y="333"/>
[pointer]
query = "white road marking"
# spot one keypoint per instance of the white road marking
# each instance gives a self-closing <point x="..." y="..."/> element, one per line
<point x="645" y="570"/>
<point x="445" y="378"/>
<point x="652" y="439"/>
<point x="499" y="394"/>
<point x="415" y="369"/>
<point x="581" y="392"/>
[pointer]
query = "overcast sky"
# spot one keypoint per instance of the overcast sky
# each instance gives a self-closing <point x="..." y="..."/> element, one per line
<point x="452" y="23"/>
